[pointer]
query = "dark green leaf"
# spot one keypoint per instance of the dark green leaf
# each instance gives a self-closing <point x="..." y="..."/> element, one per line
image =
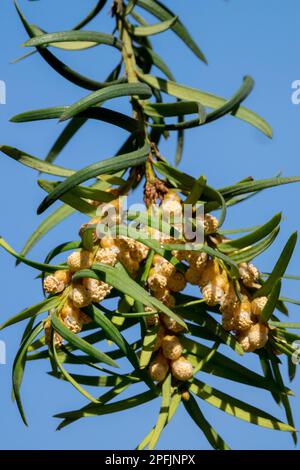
<point x="148" y="345"/>
<point x="69" y="198"/>
<point x="230" y="106"/>
<point x="98" y="410"/>
<point x="105" y="166"/>
<point x="89" y="37"/>
<point x="79" y="342"/>
<point x="280" y="266"/>
<point x="256" y="185"/>
<point x="101" y="114"/>
<point x="270" y="306"/>
<point x="252" y="237"/>
<point x="206" y="99"/>
<point x="153" y="29"/>
<point x="46" y="225"/>
<point x="19" y="366"/>
<point x="180" y="145"/>
<point x="35" y="163"/>
<point x="151" y="57"/>
<point x="62" y="248"/>
<point x="33" y="311"/>
<point x="108" y="93"/>
<point x="68" y="376"/>
<point x="237" y="408"/>
<point x="174" y="403"/>
<point x="59" y="66"/>
<point x="54" y="219"/>
<point x="196" y="191"/>
<point x="247" y="254"/>
<point x="105" y="398"/>
<point x="99" y="381"/>
<point x="211" y="435"/>
<point x="288" y="325"/>
<point x="112" y="333"/>
<point x="163" y="413"/>
<point x="285" y="399"/>
<point x="92" y="14"/>
<point x="292" y="369"/>
<point x="161" y="12"/>
<point x="34" y="264"/>
<point x="221" y="366"/>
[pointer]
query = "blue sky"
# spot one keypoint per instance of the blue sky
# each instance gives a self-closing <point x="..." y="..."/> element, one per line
<point x="250" y="37"/>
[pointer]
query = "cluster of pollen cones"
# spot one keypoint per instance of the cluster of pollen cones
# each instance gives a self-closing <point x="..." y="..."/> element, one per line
<point x="236" y="301"/>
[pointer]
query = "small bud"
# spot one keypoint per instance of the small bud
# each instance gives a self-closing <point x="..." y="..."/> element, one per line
<point x="165" y="297"/>
<point x="182" y="369"/>
<point x="230" y="301"/>
<point x="107" y="242"/>
<point x="249" y="275"/>
<point x="109" y="213"/>
<point x="106" y="256"/>
<point x="159" y="338"/>
<point x="245" y="343"/>
<point x="258" y="335"/>
<point x="258" y="304"/>
<point x="70" y="310"/>
<point x="58" y="340"/>
<point x="166" y="269"/>
<point x="209" y="222"/>
<point x="84" y="227"/>
<point x="171" y="324"/>
<point x="126" y="243"/>
<point x="131" y="265"/>
<point x="228" y="321"/>
<point x="254" y="338"/>
<point x="185" y="395"/>
<point x="159" y="368"/>
<point x="176" y="282"/>
<point x="214" y="292"/>
<point x="151" y="320"/>
<point x="242" y="315"/>
<point x="80" y="296"/>
<point x="210" y="272"/>
<point x="140" y="252"/>
<point x="52" y="285"/>
<point x="57" y="282"/>
<point x="171" y="347"/>
<point x="72" y="317"/>
<point x="157" y="259"/>
<point x="63" y="275"/>
<point x="80" y="260"/>
<point x="193" y="276"/>
<point x="197" y="260"/>
<point x="96" y="290"/>
<point x="156" y="281"/>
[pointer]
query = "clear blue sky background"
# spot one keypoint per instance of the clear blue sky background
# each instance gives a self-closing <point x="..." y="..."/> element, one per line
<point x="239" y="37"/>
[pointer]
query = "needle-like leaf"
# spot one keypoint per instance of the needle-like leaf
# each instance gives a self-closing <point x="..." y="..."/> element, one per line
<point x="110" y="165"/>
